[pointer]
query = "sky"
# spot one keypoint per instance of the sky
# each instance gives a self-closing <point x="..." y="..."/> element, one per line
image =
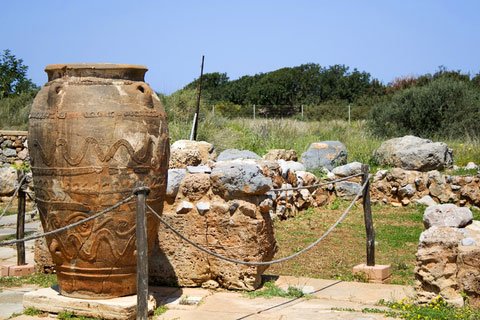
<point x="388" y="39"/>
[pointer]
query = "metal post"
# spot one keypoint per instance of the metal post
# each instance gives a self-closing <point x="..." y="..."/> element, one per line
<point x="253" y="112"/>
<point x="21" y="220"/>
<point x="367" y="212"/>
<point x="349" y="114"/>
<point x="193" y="135"/>
<point x="302" y="111"/>
<point x="142" y="253"/>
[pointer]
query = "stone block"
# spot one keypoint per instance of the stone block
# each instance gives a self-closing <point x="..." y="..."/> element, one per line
<point x="378" y="273"/>
<point x="50" y="300"/>
<point x="18" y="271"/>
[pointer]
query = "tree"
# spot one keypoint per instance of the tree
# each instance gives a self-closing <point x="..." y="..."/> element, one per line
<point x="13" y="76"/>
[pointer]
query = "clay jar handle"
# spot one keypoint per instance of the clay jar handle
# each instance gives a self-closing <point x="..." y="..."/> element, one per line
<point x="53" y="95"/>
<point x="144" y="93"/>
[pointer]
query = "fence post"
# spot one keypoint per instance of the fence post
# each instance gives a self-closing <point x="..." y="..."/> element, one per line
<point x="253" y="112"/>
<point x="21" y="220"/>
<point x="367" y="214"/>
<point x="142" y="253"/>
<point x="302" y="111"/>
<point x="349" y="114"/>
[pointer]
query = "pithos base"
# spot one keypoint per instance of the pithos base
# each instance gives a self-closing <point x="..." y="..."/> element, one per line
<point x="50" y="300"/>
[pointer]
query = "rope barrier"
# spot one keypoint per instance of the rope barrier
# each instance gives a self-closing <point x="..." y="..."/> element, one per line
<point x="263" y="263"/>
<point x="20" y="184"/>
<point x="96" y="215"/>
<point x="318" y="184"/>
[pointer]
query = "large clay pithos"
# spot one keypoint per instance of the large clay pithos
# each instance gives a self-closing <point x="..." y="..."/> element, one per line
<point x="96" y="130"/>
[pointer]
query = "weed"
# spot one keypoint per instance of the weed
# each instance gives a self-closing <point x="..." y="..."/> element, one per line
<point x="39" y="279"/>
<point x="270" y="290"/>
<point x="438" y="308"/>
<point x="68" y="315"/>
<point x="160" y="310"/>
<point x="31" y="311"/>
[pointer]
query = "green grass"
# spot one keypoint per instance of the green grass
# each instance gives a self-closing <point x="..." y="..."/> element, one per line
<point x="397" y="233"/>
<point x="261" y="135"/>
<point x="39" y="279"/>
<point x="30" y="311"/>
<point x="437" y="309"/>
<point x="270" y="290"/>
<point x="160" y="310"/>
<point x="67" y="315"/>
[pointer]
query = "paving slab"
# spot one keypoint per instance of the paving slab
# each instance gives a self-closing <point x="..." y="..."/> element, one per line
<point x="347" y="291"/>
<point x="50" y="300"/>
<point x="11" y="301"/>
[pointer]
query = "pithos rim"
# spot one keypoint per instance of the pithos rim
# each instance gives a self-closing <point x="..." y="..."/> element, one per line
<point x="99" y="70"/>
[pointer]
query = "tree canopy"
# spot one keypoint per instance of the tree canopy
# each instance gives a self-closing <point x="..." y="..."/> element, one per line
<point x="13" y="76"/>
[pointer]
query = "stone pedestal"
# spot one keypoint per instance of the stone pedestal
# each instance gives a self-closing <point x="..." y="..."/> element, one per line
<point x="50" y="300"/>
<point x="16" y="271"/>
<point x="378" y="273"/>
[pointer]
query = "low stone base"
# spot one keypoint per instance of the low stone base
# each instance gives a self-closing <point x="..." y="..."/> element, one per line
<point x="17" y="271"/>
<point x="50" y="300"/>
<point x="377" y="274"/>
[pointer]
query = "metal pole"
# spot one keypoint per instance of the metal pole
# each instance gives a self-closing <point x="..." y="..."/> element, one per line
<point x="302" y="111"/>
<point x="349" y="114"/>
<point x="142" y="253"/>
<point x="367" y="212"/>
<point x="197" y="112"/>
<point x="21" y="220"/>
<point x="253" y="112"/>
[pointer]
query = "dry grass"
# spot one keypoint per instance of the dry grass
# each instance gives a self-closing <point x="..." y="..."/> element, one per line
<point x="397" y="233"/>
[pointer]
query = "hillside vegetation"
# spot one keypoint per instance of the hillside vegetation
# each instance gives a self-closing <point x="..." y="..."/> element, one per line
<point x="317" y="100"/>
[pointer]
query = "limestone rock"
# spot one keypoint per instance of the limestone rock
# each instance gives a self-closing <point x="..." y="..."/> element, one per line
<point x="184" y="207"/>
<point x="203" y="207"/>
<point x="436" y="268"/>
<point x="8" y="180"/>
<point x="281" y="154"/>
<point x="175" y="178"/>
<point x="233" y="154"/>
<point x="185" y="153"/>
<point x="286" y="166"/>
<point x="236" y="179"/>
<point x="7" y="152"/>
<point x="426" y="201"/>
<point x="245" y="233"/>
<point x="406" y="191"/>
<point x="447" y="215"/>
<point x="23" y="154"/>
<point x="349" y="169"/>
<point x="199" y="169"/>
<point x="305" y="178"/>
<point x="413" y="153"/>
<point x="471" y="166"/>
<point x="195" y="186"/>
<point x="347" y="189"/>
<point x="325" y="154"/>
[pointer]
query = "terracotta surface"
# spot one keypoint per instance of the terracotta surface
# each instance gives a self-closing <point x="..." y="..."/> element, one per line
<point x="95" y="130"/>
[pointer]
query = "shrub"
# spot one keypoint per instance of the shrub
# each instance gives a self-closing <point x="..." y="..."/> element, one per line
<point x="445" y="107"/>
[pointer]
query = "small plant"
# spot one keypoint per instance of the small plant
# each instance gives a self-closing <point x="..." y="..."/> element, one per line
<point x="437" y="309"/>
<point x="31" y="311"/>
<point x="160" y="310"/>
<point x="270" y="290"/>
<point x="39" y="279"/>
<point x="68" y="315"/>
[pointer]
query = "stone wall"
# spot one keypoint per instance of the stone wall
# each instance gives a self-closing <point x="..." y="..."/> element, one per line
<point x="448" y="256"/>
<point x="13" y="148"/>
